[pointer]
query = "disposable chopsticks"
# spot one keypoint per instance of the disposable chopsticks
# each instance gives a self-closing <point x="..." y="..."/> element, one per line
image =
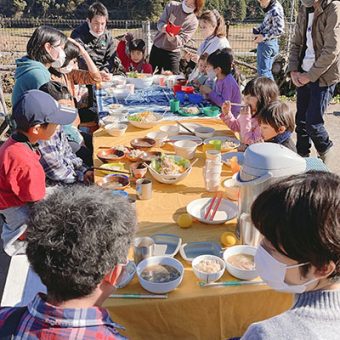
<point x="112" y="170"/>
<point x="184" y="127"/>
<point x="213" y="206"/>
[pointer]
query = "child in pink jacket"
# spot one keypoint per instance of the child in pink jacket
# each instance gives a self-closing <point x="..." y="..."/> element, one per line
<point x="258" y="93"/>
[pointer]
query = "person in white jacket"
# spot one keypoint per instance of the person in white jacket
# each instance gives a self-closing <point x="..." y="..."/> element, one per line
<point x="213" y="30"/>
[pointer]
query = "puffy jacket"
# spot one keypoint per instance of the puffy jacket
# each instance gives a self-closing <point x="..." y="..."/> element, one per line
<point x="326" y="41"/>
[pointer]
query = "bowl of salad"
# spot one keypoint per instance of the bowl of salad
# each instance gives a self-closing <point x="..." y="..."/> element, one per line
<point x="144" y="120"/>
<point x="140" y="80"/>
<point x="169" y="169"/>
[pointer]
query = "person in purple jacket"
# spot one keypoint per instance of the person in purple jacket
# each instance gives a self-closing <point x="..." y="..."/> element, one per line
<point x="220" y="66"/>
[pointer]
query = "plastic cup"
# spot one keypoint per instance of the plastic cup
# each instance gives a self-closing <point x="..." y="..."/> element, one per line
<point x="174" y="105"/>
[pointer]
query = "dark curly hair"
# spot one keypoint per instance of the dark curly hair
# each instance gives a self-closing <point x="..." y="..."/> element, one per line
<point x="300" y="217"/>
<point x="76" y="236"/>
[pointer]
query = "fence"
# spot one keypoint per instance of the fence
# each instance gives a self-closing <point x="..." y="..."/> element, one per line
<point x="14" y="34"/>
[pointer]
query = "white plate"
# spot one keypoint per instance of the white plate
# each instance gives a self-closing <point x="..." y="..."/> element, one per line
<point x="189" y="251"/>
<point x="227" y="156"/>
<point x="226" y="211"/>
<point x="166" y="245"/>
<point x="190" y="126"/>
<point x="186" y="137"/>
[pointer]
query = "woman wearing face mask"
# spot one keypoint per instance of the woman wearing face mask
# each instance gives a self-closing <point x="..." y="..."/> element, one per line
<point x="213" y="30"/>
<point x="69" y="75"/>
<point x="300" y="253"/>
<point x="45" y="48"/>
<point x="165" y="52"/>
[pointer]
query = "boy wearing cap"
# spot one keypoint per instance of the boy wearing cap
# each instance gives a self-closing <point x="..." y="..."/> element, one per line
<point x="22" y="178"/>
<point x="131" y="53"/>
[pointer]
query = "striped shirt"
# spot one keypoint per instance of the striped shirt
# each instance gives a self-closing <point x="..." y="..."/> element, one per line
<point x="42" y="320"/>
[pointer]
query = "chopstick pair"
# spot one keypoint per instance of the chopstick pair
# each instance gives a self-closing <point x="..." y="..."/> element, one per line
<point x="213" y="207"/>
<point x="139" y="296"/>
<point x="184" y="127"/>
<point x="112" y="170"/>
<point x="230" y="283"/>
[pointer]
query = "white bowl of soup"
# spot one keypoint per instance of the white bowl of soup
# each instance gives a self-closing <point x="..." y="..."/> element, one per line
<point x="240" y="262"/>
<point x="160" y="274"/>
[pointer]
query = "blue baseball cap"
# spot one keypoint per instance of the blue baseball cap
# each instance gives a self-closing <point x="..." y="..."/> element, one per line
<point x="38" y="107"/>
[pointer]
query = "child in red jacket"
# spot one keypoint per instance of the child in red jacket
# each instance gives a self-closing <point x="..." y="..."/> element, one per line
<point x="131" y="52"/>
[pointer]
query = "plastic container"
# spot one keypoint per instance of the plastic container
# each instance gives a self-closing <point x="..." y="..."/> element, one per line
<point x="195" y="98"/>
<point x="212" y="174"/>
<point x="180" y="95"/>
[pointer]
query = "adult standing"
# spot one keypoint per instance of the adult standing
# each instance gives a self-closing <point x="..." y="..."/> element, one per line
<point x="97" y="40"/>
<point x="213" y="30"/>
<point x="314" y="66"/>
<point x="266" y="36"/>
<point x="165" y="52"/>
<point x="44" y="49"/>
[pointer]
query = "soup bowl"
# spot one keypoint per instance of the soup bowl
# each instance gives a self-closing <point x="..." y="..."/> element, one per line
<point x="243" y="274"/>
<point x="160" y="287"/>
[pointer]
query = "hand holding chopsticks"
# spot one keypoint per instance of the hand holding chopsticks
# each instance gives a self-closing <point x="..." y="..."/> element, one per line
<point x="213" y="206"/>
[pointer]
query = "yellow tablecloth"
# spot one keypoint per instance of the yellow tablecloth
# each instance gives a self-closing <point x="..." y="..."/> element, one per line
<point x="190" y="312"/>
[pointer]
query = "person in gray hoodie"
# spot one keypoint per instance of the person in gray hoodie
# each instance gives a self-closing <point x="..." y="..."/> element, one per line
<point x="45" y="48"/>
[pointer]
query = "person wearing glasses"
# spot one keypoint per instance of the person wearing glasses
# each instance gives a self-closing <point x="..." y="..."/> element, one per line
<point x="44" y="49"/>
<point x="77" y="242"/>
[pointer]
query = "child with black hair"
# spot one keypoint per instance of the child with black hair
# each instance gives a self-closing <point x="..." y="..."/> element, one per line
<point x="299" y="219"/>
<point x="131" y="52"/>
<point x="220" y="65"/>
<point x="277" y="124"/>
<point x="258" y="93"/>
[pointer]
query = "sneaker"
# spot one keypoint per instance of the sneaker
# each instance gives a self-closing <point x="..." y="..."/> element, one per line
<point x="327" y="156"/>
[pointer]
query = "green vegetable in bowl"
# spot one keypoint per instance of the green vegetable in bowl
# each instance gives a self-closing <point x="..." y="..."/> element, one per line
<point x="132" y="74"/>
<point x="135" y="118"/>
<point x="170" y="165"/>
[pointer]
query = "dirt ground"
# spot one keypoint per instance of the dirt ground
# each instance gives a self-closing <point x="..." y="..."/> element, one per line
<point x="332" y="123"/>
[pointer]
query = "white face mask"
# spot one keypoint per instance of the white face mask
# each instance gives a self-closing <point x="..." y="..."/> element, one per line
<point x="273" y="272"/>
<point x="59" y="62"/>
<point x="211" y="74"/>
<point x="96" y="35"/>
<point x="187" y="9"/>
<point x="66" y="69"/>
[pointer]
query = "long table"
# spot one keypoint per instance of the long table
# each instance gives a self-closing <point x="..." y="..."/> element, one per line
<point x="190" y="312"/>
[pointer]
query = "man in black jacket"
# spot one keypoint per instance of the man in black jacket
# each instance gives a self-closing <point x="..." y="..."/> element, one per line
<point x="98" y="41"/>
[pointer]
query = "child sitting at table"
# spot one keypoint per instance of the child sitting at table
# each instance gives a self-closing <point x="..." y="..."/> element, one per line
<point x="131" y="52"/>
<point x="70" y="76"/>
<point x="258" y="93"/>
<point x="199" y="75"/>
<point x="277" y="124"/>
<point x="220" y="65"/>
<point x="80" y="143"/>
<point x="300" y="254"/>
<point x="36" y="116"/>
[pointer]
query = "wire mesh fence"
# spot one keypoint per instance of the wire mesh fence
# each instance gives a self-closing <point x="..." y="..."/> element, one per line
<point x="14" y="34"/>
